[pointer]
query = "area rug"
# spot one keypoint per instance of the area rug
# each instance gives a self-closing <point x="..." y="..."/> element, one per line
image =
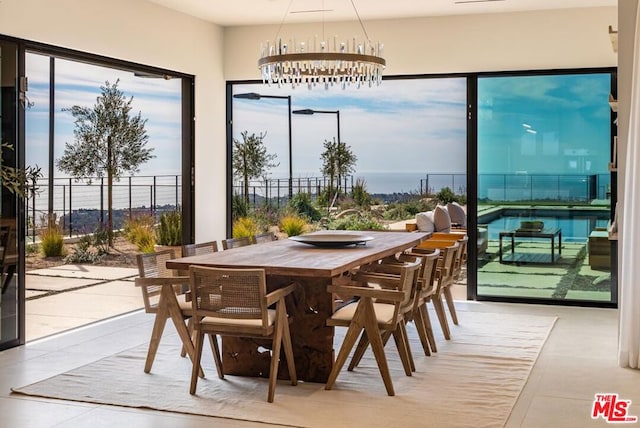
<point x="473" y="380"/>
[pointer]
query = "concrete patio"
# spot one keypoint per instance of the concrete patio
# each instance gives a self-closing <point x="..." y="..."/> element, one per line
<point x="69" y="296"/>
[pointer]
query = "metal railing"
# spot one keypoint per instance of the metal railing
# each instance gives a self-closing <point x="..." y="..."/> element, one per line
<point x="80" y="206"/>
<point x="433" y="183"/>
<point x="276" y="190"/>
<point x="543" y="187"/>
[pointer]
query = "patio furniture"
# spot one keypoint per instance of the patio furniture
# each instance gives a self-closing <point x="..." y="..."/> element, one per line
<point x="228" y="244"/>
<point x="378" y="311"/>
<point x="314" y="268"/>
<point x="548" y="233"/>
<point x="599" y="250"/>
<point x="234" y="302"/>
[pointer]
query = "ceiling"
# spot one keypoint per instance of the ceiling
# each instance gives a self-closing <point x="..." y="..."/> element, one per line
<point x="256" y="12"/>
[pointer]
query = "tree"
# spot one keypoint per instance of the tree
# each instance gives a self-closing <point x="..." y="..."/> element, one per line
<point x="22" y="182"/>
<point x="251" y="160"/>
<point x="108" y="140"/>
<point x="337" y="161"/>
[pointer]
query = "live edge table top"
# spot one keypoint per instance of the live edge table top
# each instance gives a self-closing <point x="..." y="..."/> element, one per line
<point x="290" y="258"/>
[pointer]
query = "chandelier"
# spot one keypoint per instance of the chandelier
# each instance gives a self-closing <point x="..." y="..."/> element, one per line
<point x="325" y="62"/>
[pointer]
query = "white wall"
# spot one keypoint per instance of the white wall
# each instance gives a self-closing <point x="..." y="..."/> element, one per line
<point x="142" y="32"/>
<point x="487" y="42"/>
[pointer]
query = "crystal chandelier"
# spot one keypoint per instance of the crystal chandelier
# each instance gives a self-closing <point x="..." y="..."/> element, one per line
<point x="325" y="62"/>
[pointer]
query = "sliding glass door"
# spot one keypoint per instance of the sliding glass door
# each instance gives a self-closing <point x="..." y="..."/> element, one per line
<point x="544" y="187"/>
<point x="10" y="98"/>
<point x="40" y="85"/>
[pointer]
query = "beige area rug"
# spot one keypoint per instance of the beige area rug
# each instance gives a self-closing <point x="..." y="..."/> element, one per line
<point x="474" y="380"/>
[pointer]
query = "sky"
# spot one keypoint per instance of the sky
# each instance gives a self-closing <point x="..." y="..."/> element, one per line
<point x="78" y="83"/>
<point x="410" y="126"/>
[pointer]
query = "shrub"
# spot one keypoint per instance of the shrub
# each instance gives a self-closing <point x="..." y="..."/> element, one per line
<point x="52" y="243"/>
<point x="265" y="217"/>
<point x="445" y="195"/>
<point x="101" y="240"/>
<point x="356" y="222"/>
<point x="408" y="209"/>
<point x="139" y="231"/>
<point x="32" y="249"/>
<point x="293" y="225"/>
<point x="82" y="253"/>
<point x="239" y="207"/>
<point x="244" y="227"/>
<point x="169" y="230"/>
<point x="360" y="195"/>
<point x="303" y="205"/>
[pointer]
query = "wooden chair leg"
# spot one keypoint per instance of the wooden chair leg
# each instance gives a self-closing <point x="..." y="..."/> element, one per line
<point x="215" y="348"/>
<point x="405" y="338"/>
<point x="288" y="352"/>
<point x="195" y="371"/>
<point x="359" y="352"/>
<point x="452" y="309"/>
<point x="183" y="352"/>
<point x="156" y="334"/>
<point x="362" y="347"/>
<point x="402" y="350"/>
<point x="275" y="352"/>
<point x="347" y="344"/>
<point x="437" y="304"/>
<point x="428" y="327"/>
<point x="422" y="332"/>
<point x="371" y="327"/>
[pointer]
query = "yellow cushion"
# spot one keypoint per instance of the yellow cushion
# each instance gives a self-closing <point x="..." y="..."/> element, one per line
<point x="384" y="312"/>
<point x="271" y="314"/>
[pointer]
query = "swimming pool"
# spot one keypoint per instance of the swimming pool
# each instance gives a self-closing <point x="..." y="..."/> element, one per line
<point x="576" y="224"/>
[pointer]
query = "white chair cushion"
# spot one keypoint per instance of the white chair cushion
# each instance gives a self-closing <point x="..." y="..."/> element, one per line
<point x="241" y="322"/>
<point x="441" y="219"/>
<point x="384" y="312"/>
<point x="424" y="222"/>
<point x="457" y="214"/>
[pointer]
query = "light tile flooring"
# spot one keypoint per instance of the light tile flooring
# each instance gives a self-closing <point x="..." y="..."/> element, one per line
<point x="578" y="361"/>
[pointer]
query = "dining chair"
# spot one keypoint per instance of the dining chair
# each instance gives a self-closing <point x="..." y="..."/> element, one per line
<point x="163" y="294"/>
<point x="201" y="248"/>
<point x="264" y="237"/>
<point x="460" y="259"/>
<point x="377" y="311"/>
<point x="234" y="302"/>
<point x="228" y="244"/>
<point x="418" y="312"/>
<point x="444" y="277"/>
<point x="427" y="289"/>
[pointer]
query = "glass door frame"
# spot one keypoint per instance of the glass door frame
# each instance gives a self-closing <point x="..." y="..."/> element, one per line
<point x="472" y="189"/>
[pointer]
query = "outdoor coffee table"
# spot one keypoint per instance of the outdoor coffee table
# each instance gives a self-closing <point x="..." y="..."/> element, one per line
<point x="548" y="233"/>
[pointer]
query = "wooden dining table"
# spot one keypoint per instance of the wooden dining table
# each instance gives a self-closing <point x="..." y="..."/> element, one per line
<point x="313" y="269"/>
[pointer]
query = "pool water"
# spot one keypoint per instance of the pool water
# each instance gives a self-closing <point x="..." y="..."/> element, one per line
<point x="576" y="229"/>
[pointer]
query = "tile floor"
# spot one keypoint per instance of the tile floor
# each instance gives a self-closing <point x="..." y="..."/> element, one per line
<point x="577" y="362"/>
